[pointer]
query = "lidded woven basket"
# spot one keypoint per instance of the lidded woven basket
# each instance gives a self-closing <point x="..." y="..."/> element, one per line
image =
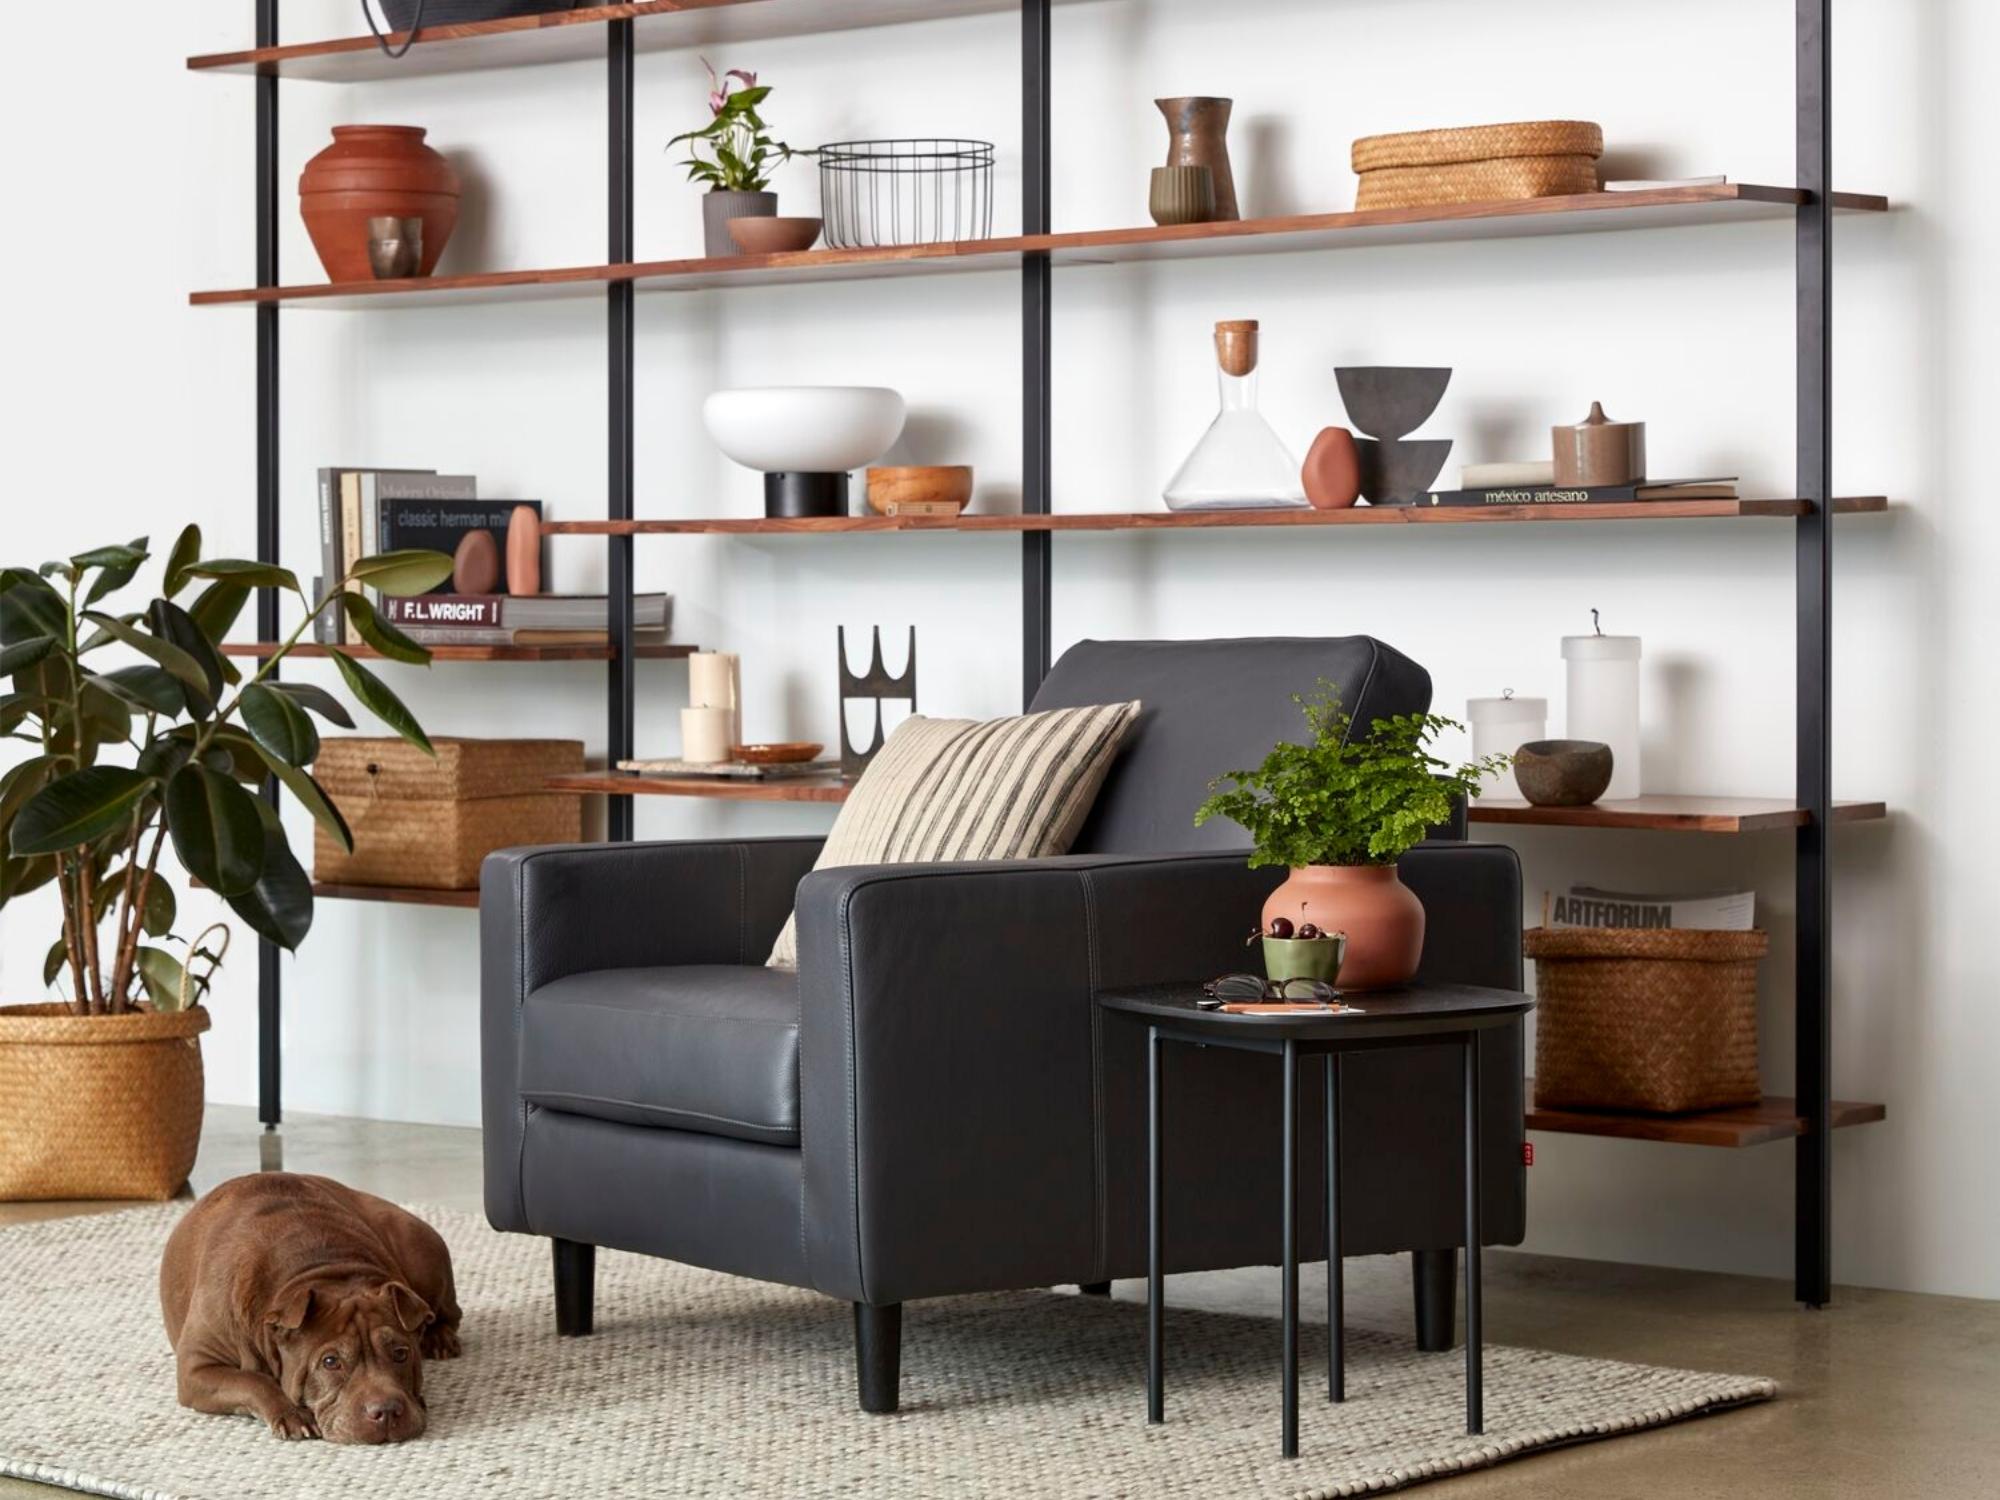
<point x="1478" y="163"/>
<point x="1654" y="1020"/>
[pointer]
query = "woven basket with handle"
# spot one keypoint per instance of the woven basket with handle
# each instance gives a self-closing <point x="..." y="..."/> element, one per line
<point x="98" y="1106"/>
<point x="1657" y="1020"/>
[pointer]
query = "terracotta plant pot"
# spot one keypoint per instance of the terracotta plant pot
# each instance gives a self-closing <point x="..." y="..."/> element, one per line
<point x="98" y="1106"/>
<point x="373" y="171"/>
<point x="1382" y="917"/>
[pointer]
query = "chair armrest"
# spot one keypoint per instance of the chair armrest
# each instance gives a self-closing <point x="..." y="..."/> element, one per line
<point x="950" y="1087"/>
<point x="1472" y="912"/>
<point x="569" y="908"/>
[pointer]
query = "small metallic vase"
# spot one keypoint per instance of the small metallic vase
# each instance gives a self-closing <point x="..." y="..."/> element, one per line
<point x="395" y="247"/>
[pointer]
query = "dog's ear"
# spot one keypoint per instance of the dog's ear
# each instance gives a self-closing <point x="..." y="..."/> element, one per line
<point x="289" y="1313"/>
<point x="411" y="1310"/>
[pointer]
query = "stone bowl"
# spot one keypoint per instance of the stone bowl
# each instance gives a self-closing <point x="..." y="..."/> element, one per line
<point x="1391" y="401"/>
<point x="1562" y="773"/>
<point x="1400" y="473"/>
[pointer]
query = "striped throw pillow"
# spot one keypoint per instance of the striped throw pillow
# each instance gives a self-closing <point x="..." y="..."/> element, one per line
<point x="955" y="789"/>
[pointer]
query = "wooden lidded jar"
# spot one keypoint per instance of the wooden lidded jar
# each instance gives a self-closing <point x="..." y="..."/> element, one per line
<point x="1598" y="451"/>
<point x="371" y="171"/>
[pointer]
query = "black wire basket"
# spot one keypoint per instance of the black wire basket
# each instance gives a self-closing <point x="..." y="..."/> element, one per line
<point x="913" y="192"/>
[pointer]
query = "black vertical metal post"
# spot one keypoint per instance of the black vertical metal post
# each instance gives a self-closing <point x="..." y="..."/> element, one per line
<point x="1336" y="1270"/>
<point x="1475" y="1352"/>
<point x="270" y="1036"/>
<point x="1156" y="1311"/>
<point x="1813" y="1169"/>
<point x="1289" y="1261"/>
<point x="1037" y="290"/>
<point x="620" y="399"/>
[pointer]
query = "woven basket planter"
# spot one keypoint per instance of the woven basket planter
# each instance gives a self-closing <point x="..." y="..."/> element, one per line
<point x="1477" y="164"/>
<point x="1653" y="1020"/>
<point x="98" y="1106"/>
<point x="428" y="824"/>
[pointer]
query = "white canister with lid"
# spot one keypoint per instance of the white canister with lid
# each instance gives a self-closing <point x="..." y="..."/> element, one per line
<point x="1502" y="725"/>
<point x="1603" y="702"/>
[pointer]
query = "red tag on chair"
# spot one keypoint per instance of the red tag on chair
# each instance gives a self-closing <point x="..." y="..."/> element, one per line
<point x="1527" y="1153"/>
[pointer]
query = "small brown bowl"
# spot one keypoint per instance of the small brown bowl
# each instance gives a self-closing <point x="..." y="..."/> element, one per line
<point x="1562" y="773"/>
<point x="769" y="235"/>
<point x="790" y="753"/>
<point x="935" y="484"/>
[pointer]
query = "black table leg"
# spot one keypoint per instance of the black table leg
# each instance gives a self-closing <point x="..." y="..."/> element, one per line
<point x="1336" y="1288"/>
<point x="1290" y="1443"/>
<point x="1156" y="1396"/>
<point x="1475" y="1395"/>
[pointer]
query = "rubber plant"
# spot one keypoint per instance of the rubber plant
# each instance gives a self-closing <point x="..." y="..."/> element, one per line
<point x="139" y="730"/>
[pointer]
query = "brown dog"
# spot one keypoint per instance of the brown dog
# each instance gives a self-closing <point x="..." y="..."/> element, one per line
<point x="301" y="1301"/>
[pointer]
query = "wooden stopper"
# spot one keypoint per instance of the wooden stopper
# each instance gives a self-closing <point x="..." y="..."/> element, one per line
<point x="1236" y="346"/>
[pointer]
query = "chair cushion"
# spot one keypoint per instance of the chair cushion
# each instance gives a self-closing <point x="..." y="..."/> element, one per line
<point x="1211" y="707"/>
<point x="958" y="789"/>
<point x="706" y="1047"/>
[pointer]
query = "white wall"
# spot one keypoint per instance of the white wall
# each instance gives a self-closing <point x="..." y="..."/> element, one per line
<point x="128" y="412"/>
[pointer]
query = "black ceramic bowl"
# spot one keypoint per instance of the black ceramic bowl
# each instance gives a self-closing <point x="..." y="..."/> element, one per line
<point x="1391" y="401"/>
<point x="1400" y="473"/>
<point x="1562" y="773"/>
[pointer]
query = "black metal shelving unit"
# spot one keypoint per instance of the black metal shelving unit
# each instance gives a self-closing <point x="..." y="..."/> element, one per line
<point x="554" y="39"/>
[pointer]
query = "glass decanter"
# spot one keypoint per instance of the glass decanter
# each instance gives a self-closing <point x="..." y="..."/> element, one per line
<point x="1239" y="462"/>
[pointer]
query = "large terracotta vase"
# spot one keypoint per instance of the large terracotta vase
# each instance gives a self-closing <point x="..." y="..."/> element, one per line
<point x="372" y="170"/>
<point x="1198" y="136"/>
<point x="1382" y="917"/>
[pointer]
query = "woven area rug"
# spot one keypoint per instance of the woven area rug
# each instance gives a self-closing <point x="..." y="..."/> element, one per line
<point x="697" y="1384"/>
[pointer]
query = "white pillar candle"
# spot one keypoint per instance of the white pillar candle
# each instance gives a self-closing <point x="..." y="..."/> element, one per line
<point x="1502" y="725"/>
<point x="1603" y="702"/>
<point x="715" y="680"/>
<point x="705" y="737"/>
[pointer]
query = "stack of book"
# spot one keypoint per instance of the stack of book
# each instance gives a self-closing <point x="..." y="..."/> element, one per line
<point x="1588" y="906"/>
<point x="1614" y="494"/>
<point x="523" y="619"/>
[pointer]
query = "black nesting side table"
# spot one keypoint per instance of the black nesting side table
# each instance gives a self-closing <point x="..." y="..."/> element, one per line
<point x="1420" y="1015"/>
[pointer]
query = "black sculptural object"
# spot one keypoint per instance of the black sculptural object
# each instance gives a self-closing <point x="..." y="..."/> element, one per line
<point x="875" y="684"/>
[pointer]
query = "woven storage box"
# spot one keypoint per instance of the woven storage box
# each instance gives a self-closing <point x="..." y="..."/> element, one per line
<point x="98" y="1106"/>
<point x="428" y="823"/>
<point x="1478" y="164"/>
<point x="1656" y="1020"/>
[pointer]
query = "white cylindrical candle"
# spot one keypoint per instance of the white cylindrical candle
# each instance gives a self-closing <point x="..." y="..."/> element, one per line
<point x="1502" y="725"/>
<point x="1603" y="702"/>
<point x="715" y="680"/>
<point x="705" y="735"/>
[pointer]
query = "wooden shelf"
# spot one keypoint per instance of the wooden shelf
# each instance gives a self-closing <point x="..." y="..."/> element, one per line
<point x="308" y="651"/>
<point x="1672" y="814"/>
<point x="1579" y="213"/>
<point x="737" y="789"/>
<point x="396" y="894"/>
<point x="1770" y="1119"/>
<point x="1185" y="520"/>
<point x="577" y="36"/>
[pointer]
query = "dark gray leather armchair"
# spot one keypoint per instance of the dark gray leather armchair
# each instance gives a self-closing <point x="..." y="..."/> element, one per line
<point x="932" y="1104"/>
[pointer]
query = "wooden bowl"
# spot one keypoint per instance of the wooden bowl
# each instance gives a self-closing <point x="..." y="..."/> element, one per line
<point x="788" y="754"/>
<point x="943" y="484"/>
<point x="770" y="235"/>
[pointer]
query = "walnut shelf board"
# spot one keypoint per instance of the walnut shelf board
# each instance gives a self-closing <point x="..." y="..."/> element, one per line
<point x="396" y="894"/>
<point x="1664" y="208"/>
<point x="1772" y="1118"/>
<point x="577" y="36"/>
<point x="737" y="789"/>
<point x="309" y="651"/>
<point x="1669" y="814"/>
<point x="1167" y="520"/>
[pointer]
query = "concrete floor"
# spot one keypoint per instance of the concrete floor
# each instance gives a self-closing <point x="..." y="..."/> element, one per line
<point x="1885" y="1394"/>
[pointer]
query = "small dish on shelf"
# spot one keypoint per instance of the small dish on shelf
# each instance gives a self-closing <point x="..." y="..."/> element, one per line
<point x="773" y="234"/>
<point x="789" y="753"/>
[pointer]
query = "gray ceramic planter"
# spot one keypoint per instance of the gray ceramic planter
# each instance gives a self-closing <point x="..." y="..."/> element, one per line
<point x="718" y="208"/>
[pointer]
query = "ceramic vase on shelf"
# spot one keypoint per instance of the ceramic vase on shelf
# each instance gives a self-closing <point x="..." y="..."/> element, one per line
<point x="719" y="206"/>
<point x="1382" y="918"/>
<point x="1198" y="136"/>
<point x="1240" y="463"/>
<point x="376" y="171"/>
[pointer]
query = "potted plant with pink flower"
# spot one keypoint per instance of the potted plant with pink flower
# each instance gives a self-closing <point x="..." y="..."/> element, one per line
<point x="734" y="154"/>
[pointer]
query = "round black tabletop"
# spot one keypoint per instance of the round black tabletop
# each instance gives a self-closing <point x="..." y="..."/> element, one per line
<point x="1412" y="1010"/>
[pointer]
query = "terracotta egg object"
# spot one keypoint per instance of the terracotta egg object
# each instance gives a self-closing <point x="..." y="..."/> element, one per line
<point x="1331" y="475"/>
<point x="524" y="551"/>
<point x="475" y="567"/>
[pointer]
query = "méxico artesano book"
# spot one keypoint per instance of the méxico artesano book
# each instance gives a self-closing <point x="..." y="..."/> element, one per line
<point x="1614" y="494"/>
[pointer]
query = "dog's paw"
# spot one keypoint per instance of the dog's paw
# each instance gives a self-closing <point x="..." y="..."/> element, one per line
<point x="441" y="1343"/>
<point x="294" y="1425"/>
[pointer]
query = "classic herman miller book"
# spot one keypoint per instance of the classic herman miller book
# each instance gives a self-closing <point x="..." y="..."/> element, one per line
<point x="440" y="524"/>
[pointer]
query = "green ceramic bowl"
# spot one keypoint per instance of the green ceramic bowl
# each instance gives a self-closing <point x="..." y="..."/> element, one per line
<point x="1304" y="958"/>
